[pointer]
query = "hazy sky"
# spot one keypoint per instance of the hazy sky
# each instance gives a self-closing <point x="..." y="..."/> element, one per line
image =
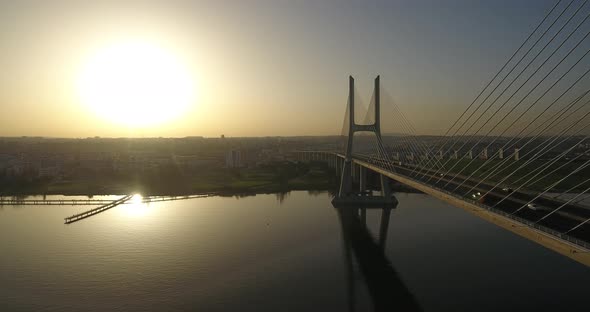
<point x="259" y="67"/>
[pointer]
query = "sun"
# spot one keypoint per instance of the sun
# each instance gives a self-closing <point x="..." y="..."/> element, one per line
<point x="136" y="84"/>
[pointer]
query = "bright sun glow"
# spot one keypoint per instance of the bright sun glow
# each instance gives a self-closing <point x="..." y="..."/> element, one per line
<point x="137" y="199"/>
<point x="136" y="207"/>
<point x="136" y="84"/>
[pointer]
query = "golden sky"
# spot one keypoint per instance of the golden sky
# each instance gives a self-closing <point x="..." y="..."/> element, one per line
<point x="255" y="68"/>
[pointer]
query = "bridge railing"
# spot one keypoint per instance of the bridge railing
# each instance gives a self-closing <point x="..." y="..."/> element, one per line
<point x="526" y="222"/>
<point x="523" y="221"/>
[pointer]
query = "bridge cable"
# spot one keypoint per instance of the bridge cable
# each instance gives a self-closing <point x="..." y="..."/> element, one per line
<point x="548" y="126"/>
<point x="539" y="154"/>
<point x="551" y="162"/>
<point x="492" y="173"/>
<point x="507" y="75"/>
<point x="530" y="91"/>
<point x="497" y="74"/>
<point x="521" y="101"/>
<point x="547" y="144"/>
<point x="566" y="203"/>
<point x="584" y="165"/>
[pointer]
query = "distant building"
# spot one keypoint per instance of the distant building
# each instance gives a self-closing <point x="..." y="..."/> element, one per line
<point x="484" y="153"/>
<point x="233" y="159"/>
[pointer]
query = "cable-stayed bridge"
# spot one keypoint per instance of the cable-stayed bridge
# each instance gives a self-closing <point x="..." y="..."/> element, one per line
<point x="518" y="155"/>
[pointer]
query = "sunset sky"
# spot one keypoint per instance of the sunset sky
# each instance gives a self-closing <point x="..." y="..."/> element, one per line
<point x="246" y="68"/>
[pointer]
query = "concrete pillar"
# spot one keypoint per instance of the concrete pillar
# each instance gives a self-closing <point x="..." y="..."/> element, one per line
<point x="362" y="178"/>
<point x="346" y="181"/>
<point x="484" y="153"/>
<point x="385" y="188"/>
<point x="501" y="153"/>
<point x="517" y="154"/>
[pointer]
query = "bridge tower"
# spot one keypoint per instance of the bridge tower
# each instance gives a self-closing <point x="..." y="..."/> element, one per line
<point x="347" y="177"/>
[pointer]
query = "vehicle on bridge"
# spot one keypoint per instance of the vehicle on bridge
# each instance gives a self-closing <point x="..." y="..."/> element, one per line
<point x="476" y="195"/>
<point x="533" y="206"/>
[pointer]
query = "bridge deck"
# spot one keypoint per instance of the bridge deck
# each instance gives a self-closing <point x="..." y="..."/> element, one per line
<point x="563" y="244"/>
<point x="548" y="233"/>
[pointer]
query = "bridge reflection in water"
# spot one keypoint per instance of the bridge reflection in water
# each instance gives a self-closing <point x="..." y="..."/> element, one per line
<point x="386" y="288"/>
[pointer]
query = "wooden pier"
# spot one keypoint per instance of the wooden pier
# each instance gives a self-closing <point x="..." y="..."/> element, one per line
<point x="153" y="199"/>
<point x="97" y="210"/>
<point x="60" y="202"/>
<point x="79" y="202"/>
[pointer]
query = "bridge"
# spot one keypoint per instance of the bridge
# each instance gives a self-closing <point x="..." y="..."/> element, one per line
<point x="518" y="156"/>
<point x="553" y="221"/>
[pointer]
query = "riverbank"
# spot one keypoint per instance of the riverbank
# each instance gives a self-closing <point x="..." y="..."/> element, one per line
<point x="272" y="178"/>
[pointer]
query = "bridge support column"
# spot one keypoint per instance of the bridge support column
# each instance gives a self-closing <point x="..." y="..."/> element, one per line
<point x="385" y="187"/>
<point x="346" y="180"/>
<point x="362" y="179"/>
<point x="349" y="171"/>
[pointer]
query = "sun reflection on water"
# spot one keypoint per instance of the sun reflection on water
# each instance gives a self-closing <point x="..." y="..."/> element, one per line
<point x="136" y="207"/>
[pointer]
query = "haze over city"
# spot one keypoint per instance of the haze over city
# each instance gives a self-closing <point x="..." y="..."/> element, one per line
<point x="247" y="68"/>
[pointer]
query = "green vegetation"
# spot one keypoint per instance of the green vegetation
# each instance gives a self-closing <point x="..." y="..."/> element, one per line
<point x="273" y="177"/>
<point x="520" y="176"/>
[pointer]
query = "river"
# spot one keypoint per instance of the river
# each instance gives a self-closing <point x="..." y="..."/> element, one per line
<point x="292" y="252"/>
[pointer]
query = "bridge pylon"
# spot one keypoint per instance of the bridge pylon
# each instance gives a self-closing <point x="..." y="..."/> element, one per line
<point x="346" y="193"/>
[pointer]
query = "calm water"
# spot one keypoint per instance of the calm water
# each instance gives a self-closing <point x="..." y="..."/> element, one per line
<point x="261" y="254"/>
